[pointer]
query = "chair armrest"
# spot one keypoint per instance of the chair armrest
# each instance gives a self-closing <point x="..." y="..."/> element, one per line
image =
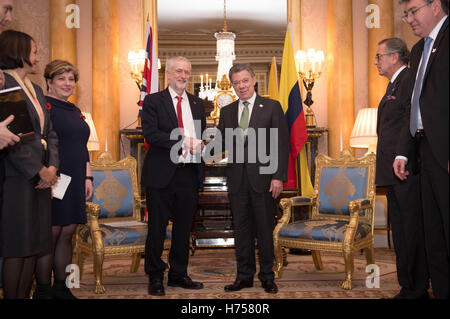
<point x="302" y="201"/>
<point x="93" y="210"/>
<point x="286" y="205"/>
<point x="354" y="207"/>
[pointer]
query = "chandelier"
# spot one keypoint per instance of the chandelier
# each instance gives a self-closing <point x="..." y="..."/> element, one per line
<point x="225" y="56"/>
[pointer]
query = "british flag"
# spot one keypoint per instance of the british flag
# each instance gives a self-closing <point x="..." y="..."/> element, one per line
<point x="150" y="76"/>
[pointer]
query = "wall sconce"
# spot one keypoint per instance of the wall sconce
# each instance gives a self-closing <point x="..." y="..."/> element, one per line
<point x="364" y="133"/>
<point x="137" y="62"/>
<point x="310" y="66"/>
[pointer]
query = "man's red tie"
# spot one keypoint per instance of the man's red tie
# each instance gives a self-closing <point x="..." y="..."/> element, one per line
<point x="180" y="123"/>
<point x="180" y="115"/>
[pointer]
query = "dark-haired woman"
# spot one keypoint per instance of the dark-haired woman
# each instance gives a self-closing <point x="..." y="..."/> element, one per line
<point x="30" y="171"/>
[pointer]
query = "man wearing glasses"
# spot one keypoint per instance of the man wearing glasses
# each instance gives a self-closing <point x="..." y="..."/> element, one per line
<point x="425" y="137"/>
<point x="391" y="60"/>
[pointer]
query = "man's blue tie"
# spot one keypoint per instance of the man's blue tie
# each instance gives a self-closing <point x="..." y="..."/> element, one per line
<point x="413" y="124"/>
<point x="388" y="89"/>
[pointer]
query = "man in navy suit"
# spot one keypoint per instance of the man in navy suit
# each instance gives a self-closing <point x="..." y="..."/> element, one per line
<point x="425" y="136"/>
<point x="172" y="122"/>
<point x="254" y="182"/>
<point x="403" y="196"/>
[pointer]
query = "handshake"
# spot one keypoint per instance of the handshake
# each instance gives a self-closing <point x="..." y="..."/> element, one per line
<point x="193" y="145"/>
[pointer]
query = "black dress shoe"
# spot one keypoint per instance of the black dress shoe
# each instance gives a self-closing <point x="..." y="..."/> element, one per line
<point x="403" y="294"/>
<point x="270" y="286"/>
<point x="238" y="285"/>
<point x="185" y="282"/>
<point x="156" y="288"/>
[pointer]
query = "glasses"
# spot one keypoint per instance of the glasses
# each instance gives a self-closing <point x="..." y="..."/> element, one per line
<point x="412" y="12"/>
<point x="378" y="56"/>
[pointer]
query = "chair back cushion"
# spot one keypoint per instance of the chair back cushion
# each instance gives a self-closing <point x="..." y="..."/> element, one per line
<point x="113" y="192"/>
<point x="339" y="186"/>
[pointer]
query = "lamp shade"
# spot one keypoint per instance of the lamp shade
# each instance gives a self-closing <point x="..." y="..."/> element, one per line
<point x="364" y="132"/>
<point x="93" y="143"/>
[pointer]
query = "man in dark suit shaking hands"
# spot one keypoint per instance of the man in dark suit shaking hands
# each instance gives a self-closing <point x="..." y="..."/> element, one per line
<point x="425" y="137"/>
<point x="253" y="183"/>
<point x="172" y="122"/>
<point x="403" y="196"/>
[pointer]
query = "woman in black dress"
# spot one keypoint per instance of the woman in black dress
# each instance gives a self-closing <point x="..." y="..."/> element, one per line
<point x="29" y="171"/>
<point x="73" y="134"/>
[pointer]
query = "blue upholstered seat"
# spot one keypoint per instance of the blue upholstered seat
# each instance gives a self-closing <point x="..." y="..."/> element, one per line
<point x="117" y="236"/>
<point x="322" y="230"/>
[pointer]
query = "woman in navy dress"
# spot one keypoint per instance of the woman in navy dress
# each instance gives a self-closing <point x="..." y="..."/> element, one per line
<point x="73" y="134"/>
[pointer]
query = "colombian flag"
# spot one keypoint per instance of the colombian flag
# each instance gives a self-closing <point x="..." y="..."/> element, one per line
<point x="291" y="101"/>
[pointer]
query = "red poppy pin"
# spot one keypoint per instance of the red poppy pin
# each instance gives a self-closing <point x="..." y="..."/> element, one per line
<point x="83" y="117"/>
<point x="48" y="106"/>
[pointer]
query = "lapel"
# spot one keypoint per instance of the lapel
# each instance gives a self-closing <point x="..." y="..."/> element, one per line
<point x="256" y="112"/>
<point x="31" y="108"/>
<point x="234" y="114"/>
<point x="168" y="106"/>
<point x="195" y="111"/>
<point x="435" y="48"/>
<point x="42" y="102"/>
<point x="392" y="92"/>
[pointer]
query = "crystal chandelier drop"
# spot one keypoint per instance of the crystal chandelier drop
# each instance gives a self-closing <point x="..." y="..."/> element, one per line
<point x="225" y="56"/>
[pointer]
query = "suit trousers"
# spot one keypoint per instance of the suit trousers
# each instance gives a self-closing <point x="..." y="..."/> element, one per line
<point x="253" y="215"/>
<point x="179" y="200"/>
<point x="435" y="208"/>
<point x="409" y="242"/>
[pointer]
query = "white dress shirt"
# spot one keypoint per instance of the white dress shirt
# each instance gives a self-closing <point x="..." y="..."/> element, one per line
<point x="250" y="107"/>
<point x="188" y="122"/>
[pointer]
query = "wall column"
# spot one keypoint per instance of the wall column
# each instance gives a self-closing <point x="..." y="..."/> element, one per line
<point x="377" y="83"/>
<point x="294" y="16"/>
<point x="105" y="75"/>
<point x="63" y="40"/>
<point x="340" y="75"/>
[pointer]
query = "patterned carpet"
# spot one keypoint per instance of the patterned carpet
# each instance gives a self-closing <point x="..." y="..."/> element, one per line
<point x="216" y="268"/>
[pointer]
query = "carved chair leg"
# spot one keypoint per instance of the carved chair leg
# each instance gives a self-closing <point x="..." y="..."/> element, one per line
<point x="370" y="255"/>
<point x="135" y="262"/>
<point x="98" y="272"/>
<point x="348" y="259"/>
<point x="285" y="261"/>
<point x="278" y="261"/>
<point x="317" y="259"/>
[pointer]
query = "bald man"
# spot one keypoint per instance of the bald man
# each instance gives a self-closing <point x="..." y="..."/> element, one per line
<point x="6" y="137"/>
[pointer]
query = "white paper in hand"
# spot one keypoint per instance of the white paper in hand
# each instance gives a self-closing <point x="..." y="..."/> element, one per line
<point x="59" y="189"/>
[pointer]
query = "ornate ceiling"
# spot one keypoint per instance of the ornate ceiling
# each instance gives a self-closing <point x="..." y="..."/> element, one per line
<point x="187" y="28"/>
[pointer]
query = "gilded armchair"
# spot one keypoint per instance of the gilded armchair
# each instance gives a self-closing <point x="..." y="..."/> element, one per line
<point x="114" y="218"/>
<point x="341" y="214"/>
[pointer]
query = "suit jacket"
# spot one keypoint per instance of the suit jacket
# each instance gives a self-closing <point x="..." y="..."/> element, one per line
<point x="25" y="158"/>
<point x="159" y="119"/>
<point x="266" y="114"/>
<point x="434" y="98"/>
<point x="392" y="117"/>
